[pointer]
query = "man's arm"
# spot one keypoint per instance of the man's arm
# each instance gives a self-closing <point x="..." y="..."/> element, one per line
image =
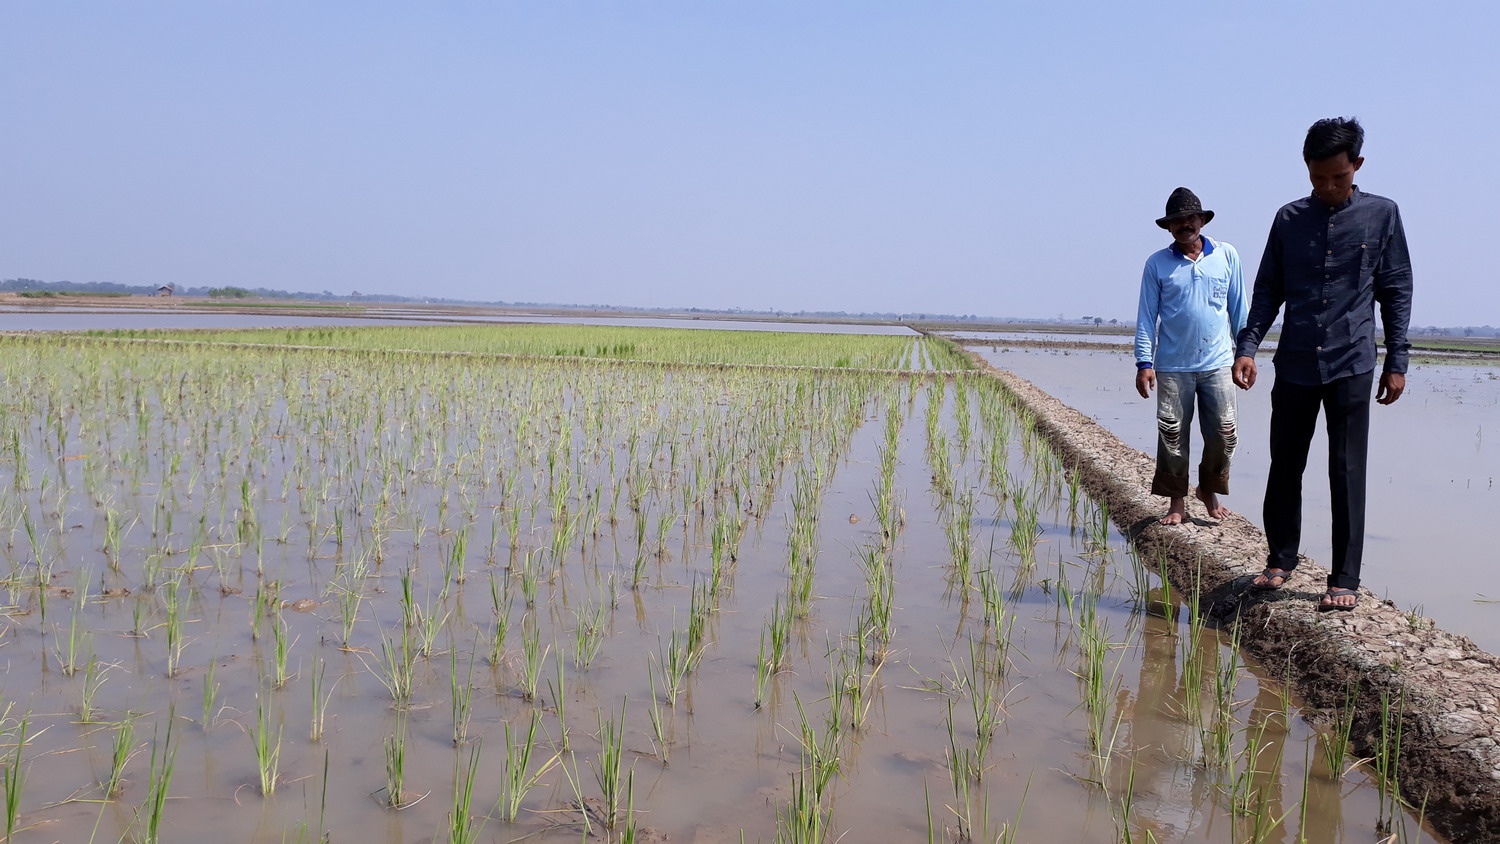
<point x="1265" y="303"/>
<point x="1393" y="293"/>
<point x="1238" y="300"/>
<point x="1146" y="313"/>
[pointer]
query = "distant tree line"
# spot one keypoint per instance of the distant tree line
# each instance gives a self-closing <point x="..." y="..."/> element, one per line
<point x="108" y="288"/>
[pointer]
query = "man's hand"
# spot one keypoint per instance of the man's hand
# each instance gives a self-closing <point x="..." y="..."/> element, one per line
<point x="1244" y="372"/>
<point x="1145" y="381"/>
<point x="1392" y="385"/>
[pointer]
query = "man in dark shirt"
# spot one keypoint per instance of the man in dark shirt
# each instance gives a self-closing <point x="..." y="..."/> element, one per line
<point x="1332" y="257"/>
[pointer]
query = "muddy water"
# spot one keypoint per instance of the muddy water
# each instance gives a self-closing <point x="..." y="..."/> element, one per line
<point x="1434" y="477"/>
<point x="729" y="768"/>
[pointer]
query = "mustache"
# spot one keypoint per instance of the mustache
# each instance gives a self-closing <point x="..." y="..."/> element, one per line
<point x="1189" y="230"/>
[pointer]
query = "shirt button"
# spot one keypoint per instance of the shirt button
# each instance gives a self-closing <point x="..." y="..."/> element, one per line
<point x="1320" y="348"/>
<point x="1326" y="275"/>
<point x="1325" y="301"/>
<point x="1330" y="252"/>
<point x="1330" y="225"/>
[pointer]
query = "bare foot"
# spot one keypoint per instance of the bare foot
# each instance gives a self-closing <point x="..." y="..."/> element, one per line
<point x="1271" y="578"/>
<point x="1176" y="513"/>
<point x="1212" y="505"/>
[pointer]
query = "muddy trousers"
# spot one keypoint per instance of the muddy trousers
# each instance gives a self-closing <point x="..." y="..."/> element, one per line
<point x="1176" y="393"/>
<point x="1294" y="419"/>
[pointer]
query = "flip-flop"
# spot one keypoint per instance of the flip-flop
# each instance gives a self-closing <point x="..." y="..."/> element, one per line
<point x="1282" y="574"/>
<point x="1338" y="593"/>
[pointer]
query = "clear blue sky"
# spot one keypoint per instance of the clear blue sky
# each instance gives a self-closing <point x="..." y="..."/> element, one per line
<point x="961" y="157"/>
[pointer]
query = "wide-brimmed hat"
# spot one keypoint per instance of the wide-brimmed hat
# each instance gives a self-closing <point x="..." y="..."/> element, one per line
<point x="1183" y="203"/>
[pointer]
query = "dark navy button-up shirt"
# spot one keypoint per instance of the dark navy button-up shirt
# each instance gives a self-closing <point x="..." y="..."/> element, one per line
<point x="1331" y="266"/>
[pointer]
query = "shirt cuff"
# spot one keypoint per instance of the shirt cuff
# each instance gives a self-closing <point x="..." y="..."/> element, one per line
<point x="1143" y="364"/>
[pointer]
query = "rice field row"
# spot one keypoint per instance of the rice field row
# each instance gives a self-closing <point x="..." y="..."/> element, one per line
<point x="662" y="345"/>
<point x="320" y="595"/>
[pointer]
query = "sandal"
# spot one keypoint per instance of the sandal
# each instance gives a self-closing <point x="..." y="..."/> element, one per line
<point x="1338" y="593"/>
<point x="1271" y="573"/>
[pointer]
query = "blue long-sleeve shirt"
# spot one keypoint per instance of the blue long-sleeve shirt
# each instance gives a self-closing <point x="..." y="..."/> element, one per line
<point x="1190" y="311"/>
<point x="1330" y="267"/>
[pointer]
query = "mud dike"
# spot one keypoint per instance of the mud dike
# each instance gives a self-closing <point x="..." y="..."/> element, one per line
<point x="1444" y="688"/>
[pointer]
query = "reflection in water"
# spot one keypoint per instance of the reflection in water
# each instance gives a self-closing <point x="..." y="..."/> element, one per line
<point x="1268" y="788"/>
<point x="1168" y="788"/>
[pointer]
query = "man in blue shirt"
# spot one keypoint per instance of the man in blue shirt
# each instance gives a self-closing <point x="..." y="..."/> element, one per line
<point x="1331" y="258"/>
<point x="1192" y="304"/>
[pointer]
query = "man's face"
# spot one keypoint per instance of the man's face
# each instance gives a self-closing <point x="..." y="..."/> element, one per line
<point x="1333" y="178"/>
<point x="1185" y="229"/>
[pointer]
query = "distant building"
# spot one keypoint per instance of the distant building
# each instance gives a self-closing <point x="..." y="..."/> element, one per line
<point x="166" y="290"/>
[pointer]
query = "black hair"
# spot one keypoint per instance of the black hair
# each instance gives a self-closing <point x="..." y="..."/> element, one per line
<point x="1331" y="136"/>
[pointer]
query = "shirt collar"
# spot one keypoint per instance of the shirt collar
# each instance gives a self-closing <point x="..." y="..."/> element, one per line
<point x="1208" y="247"/>
<point x="1353" y="195"/>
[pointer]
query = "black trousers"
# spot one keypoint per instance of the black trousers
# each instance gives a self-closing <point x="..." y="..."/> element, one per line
<point x="1294" y="419"/>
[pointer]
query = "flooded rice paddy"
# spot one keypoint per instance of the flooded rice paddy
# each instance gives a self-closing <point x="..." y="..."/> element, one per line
<point x="74" y="318"/>
<point x="357" y="595"/>
<point x="1434" y="468"/>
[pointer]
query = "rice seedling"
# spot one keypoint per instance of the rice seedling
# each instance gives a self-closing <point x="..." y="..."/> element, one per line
<point x="395" y="763"/>
<point x="395" y="666"/>
<point x="14" y="778"/>
<point x="1218" y="731"/>
<point x="591" y="625"/>
<point x="703" y="605"/>
<point x="149" y="815"/>
<point x="173" y="602"/>
<point x="210" y="694"/>
<point x="820" y="754"/>
<point x="1387" y="759"/>
<point x="959" y="531"/>
<point x="501" y="601"/>
<point x="1100" y="684"/>
<point x="609" y="770"/>
<point x="804" y="820"/>
<point x="676" y="660"/>
<point x="348" y="592"/>
<point x="660" y="731"/>
<point x="778" y="633"/>
<point x="93" y="679"/>
<point x="463" y="827"/>
<point x="461" y="695"/>
<point x="122" y="749"/>
<point x="1335" y="741"/>
<point x="533" y="657"/>
<point x="970" y="813"/>
<point x="519" y="777"/>
<point x="849" y="688"/>
<point x="267" y="746"/>
<point x="1025" y="529"/>
<point x="985" y="700"/>
<point x="282" y="650"/>
<point x="319" y="700"/>
<point x="429" y="625"/>
<point x="75" y="651"/>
